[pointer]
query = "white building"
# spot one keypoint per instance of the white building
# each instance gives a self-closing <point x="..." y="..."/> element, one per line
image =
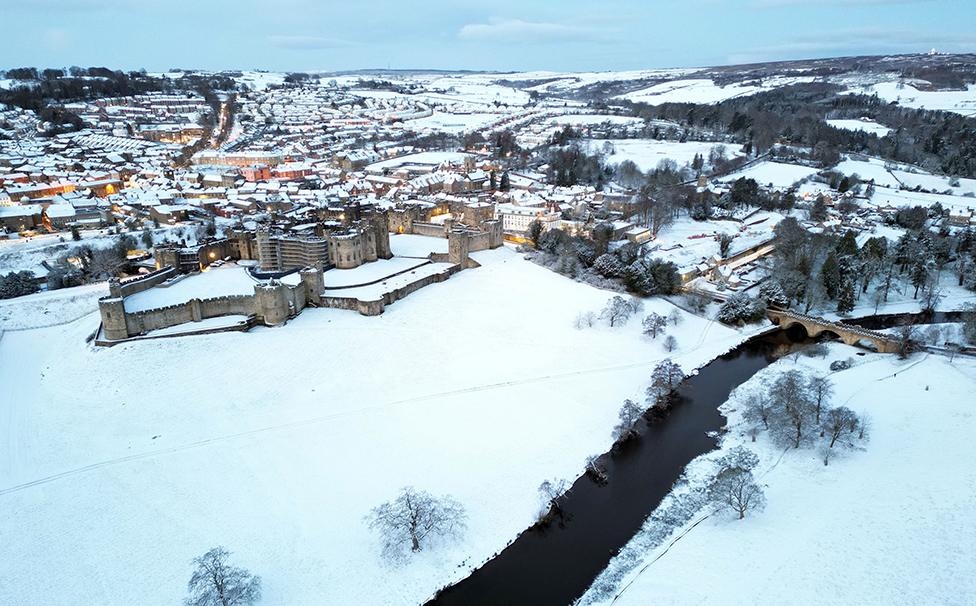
<point x="516" y="219"/>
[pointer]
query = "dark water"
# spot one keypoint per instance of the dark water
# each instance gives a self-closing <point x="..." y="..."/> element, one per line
<point x="555" y="565"/>
<point x="893" y="320"/>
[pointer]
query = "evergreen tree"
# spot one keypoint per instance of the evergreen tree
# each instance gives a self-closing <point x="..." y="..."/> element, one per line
<point x="830" y="276"/>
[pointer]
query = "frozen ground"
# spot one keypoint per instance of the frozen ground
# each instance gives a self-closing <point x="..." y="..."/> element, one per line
<point x="209" y="323"/>
<point x="216" y="282"/>
<point x="374" y="292"/>
<point x="889" y="525"/>
<point x="119" y="465"/>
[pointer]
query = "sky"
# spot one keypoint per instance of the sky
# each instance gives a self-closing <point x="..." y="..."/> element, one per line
<point x="500" y="35"/>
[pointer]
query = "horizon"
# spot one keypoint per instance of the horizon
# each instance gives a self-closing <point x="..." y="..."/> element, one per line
<point x="621" y="35"/>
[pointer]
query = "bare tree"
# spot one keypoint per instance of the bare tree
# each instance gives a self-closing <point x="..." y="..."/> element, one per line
<point x="630" y="413"/>
<point x="585" y="320"/>
<point x="216" y="583"/>
<point x="670" y="343"/>
<point x="821" y="388"/>
<point x="549" y="492"/>
<point x="793" y="408"/>
<point x="654" y="324"/>
<point x="733" y="485"/>
<point x="415" y="517"/>
<point x="674" y="317"/>
<point x="665" y="379"/>
<point x="839" y="423"/>
<point x="759" y="409"/>
<point x="617" y="311"/>
<point x="907" y="342"/>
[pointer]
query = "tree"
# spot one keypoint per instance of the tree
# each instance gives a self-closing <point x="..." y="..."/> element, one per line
<point x="550" y="491"/>
<point x="630" y="412"/>
<point x="147" y="238"/>
<point x="534" y="232"/>
<point x="654" y="324"/>
<point x="670" y="343"/>
<point x="793" y="408"/>
<point x="665" y="379"/>
<point x="414" y="518"/>
<point x="821" y="388"/>
<point x="17" y="284"/>
<point x="724" y="244"/>
<point x="907" y="342"/>
<point x="674" y="317"/>
<point x="216" y="583"/>
<point x="75" y="234"/>
<point x="608" y="266"/>
<point x="506" y="182"/>
<point x="840" y="425"/>
<point x="585" y="319"/>
<point x="617" y="311"/>
<point x="733" y="485"/>
<point x="740" y="309"/>
<point x="759" y="409"/>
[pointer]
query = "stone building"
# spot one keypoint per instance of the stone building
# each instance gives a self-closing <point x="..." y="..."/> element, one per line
<point x="187" y="259"/>
<point x="344" y="247"/>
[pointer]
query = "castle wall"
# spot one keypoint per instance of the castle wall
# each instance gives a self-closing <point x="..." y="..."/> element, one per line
<point x="434" y="230"/>
<point x="137" y="285"/>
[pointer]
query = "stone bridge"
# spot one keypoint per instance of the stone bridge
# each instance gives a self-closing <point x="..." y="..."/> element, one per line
<point x="848" y="333"/>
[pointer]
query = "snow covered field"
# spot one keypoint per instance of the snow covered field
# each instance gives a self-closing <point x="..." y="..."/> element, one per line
<point x="960" y="102"/>
<point x="51" y="307"/>
<point x="889" y="525"/>
<point x="119" y="465"/>
<point x="648" y="153"/>
<point x="369" y="272"/>
<point x="452" y="123"/>
<point x="868" y="126"/>
<point x="704" y="90"/>
<point x="776" y="174"/>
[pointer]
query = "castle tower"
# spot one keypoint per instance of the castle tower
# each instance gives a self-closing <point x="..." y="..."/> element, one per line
<point x="272" y="302"/>
<point x="314" y="283"/>
<point x="381" y="231"/>
<point x="457" y="247"/>
<point x="112" y="311"/>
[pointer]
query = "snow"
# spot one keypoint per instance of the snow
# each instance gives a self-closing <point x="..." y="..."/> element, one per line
<point x="775" y="174"/>
<point x="216" y="282"/>
<point x="375" y="292"/>
<point x="369" y="272"/>
<point x="206" y="324"/>
<point x="434" y="158"/>
<point x="868" y="126"/>
<point x="411" y="245"/>
<point x="960" y="102"/>
<point x="647" y="153"/>
<point x="594" y="120"/>
<point x="48" y="308"/>
<point x="704" y="90"/>
<point x="159" y="450"/>
<point x="452" y="123"/>
<point x="888" y="525"/>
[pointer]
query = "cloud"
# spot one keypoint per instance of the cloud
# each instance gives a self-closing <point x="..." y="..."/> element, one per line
<point x="517" y="30"/>
<point x="857" y="41"/>
<point x="306" y="42"/>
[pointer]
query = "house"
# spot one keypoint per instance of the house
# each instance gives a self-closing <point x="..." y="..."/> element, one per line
<point x="21" y="217"/>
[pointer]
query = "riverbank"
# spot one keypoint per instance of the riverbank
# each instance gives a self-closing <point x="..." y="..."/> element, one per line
<point x="887" y="525"/>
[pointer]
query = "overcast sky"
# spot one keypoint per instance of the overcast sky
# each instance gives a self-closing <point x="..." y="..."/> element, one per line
<point x="324" y="35"/>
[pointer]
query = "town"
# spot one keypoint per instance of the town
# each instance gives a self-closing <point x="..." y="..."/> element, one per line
<point x="268" y="316"/>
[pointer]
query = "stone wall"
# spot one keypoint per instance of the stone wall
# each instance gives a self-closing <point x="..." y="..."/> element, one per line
<point x="434" y="230"/>
<point x="128" y="288"/>
<point x="272" y="304"/>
